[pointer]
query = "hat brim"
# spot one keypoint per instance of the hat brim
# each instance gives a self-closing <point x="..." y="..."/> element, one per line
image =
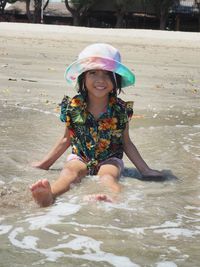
<point x="102" y="63"/>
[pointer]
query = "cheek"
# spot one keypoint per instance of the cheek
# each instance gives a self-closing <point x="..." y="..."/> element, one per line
<point x="88" y="83"/>
<point x="111" y="85"/>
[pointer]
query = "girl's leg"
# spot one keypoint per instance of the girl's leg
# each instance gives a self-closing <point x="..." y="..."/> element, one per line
<point x="109" y="176"/>
<point x="109" y="173"/>
<point x="44" y="193"/>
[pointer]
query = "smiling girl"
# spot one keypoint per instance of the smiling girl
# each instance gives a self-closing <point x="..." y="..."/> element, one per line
<point x="97" y="127"/>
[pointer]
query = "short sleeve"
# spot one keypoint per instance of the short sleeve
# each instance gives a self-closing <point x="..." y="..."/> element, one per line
<point x="64" y="108"/>
<point x="129" y="109"/>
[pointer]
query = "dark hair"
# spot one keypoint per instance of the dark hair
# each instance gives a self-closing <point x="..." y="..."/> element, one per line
<point x="116" y="83"/>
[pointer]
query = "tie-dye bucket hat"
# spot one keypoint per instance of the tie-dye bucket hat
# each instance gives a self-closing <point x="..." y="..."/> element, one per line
<point x="99" y="56"/>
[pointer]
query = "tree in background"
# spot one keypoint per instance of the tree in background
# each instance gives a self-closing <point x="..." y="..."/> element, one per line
<point x="37" y="11"/>
<point x="78" y="9"/>
<point x="162" y="8"/>
<point x="197" y="3"/>
<point x="39" y="7"/>
<point x="122" y="8"/>
<point x="2" y="6"/>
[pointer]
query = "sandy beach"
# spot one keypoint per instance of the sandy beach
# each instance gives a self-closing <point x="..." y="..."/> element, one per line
<point x="156" y="223"/>
<point x="166" y="64"/>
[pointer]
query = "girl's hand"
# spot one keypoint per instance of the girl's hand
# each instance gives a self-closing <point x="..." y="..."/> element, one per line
<point x="39" y="165"/>
<point x="152" y="175"/>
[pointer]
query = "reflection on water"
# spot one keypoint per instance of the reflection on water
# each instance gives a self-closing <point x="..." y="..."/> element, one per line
<point x="152" y="224"/>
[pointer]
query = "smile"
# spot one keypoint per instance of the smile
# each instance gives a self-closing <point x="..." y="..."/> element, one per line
<point x="100" y="87"/>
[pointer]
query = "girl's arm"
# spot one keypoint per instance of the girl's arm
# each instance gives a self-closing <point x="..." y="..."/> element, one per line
<point x="135" y="157"/>
<point x="58" y="149"/>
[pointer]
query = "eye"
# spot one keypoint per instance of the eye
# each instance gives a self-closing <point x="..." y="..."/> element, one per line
<point x="92" y="72"/>
<point x="106" y="73"/>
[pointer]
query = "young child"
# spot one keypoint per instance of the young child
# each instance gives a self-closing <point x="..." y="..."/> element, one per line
<point x="97" y="126"/>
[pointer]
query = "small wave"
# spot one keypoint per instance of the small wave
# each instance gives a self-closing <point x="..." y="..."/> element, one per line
<point x="4" y="229"/>
<point x="175" y="233"/>
<point x="52" y="216"/>
<point x="166" y="264"/>
<point x="39" y="110"/>
<point x="89" y="246"/>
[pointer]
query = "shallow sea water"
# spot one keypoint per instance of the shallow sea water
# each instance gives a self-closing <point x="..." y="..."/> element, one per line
<point x="154" y="223"/>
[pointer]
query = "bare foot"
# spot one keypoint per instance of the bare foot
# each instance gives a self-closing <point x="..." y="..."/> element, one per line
<point x="41" y="192"/>
<point x="98" y="197"/>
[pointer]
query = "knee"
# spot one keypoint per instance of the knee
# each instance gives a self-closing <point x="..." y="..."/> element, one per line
<point x="71" y="174"/>
<point x="106" y="177"/>
<point x="110" y="181"/>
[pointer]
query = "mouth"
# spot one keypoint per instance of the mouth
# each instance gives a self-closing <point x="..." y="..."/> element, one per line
<point x="100" y="88"/>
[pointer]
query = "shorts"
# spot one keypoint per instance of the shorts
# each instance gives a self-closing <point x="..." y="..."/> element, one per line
<point x="113" y="160"/>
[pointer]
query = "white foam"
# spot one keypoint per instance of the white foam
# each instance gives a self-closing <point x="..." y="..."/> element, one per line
<point x="4" y="229"/>
<point x="28" y="242"/>
<point x="166" y="264"/>
<point x="169" y="224"/>
<point x="136" y="230"/>
<point x="175" y="233"/>
<point x="174" y="249"/>
<point x="89" y="246"/>
<point x="188" y="207"/>
<point x="189" y="149"/>
<point x="53" y="215"/>
<point x="92" y="252"/>
<point x="180" y="126"/>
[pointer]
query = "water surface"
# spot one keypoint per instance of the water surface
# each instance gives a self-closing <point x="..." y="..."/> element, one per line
<point x="154" y="223"/>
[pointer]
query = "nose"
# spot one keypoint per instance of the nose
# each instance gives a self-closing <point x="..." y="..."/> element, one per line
<point x="101" y="76"/>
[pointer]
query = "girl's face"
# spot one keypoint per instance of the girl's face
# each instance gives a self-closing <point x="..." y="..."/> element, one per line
<point x="98" y="82"/>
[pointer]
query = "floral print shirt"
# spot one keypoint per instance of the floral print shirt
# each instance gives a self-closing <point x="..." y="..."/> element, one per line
<point x="96" y="140"/>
